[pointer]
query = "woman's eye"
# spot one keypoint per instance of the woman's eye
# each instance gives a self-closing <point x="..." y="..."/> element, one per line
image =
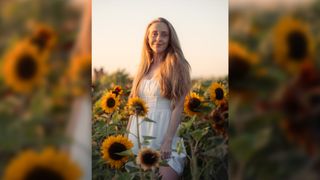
<point x="164" y="34"/>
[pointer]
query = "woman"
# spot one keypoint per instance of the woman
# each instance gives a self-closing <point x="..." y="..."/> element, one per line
<point x="162" y="81"/>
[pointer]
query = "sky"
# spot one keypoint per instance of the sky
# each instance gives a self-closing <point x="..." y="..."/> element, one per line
<point x="268" y="4"/>
<point x="118" y="28"/>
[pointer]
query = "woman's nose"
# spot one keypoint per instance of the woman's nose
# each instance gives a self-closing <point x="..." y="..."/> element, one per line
<point x="159" y="38"/>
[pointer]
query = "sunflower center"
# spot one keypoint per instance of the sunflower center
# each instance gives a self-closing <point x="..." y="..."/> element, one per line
<point x="40" y="173"/>
<point x="238" y="68"/>
<point x="138" y="108"/>
<point x="116" y="148"/>
<point x="194" y="103"/>
<point x="26" y="67"/>
<point x="149" y="158"/>
<point x="41" y="39"/>
<point x="111" y="102"/>
<point x="297" y="43"/>
<point x="219" y="93"/>
<point x="217" y="118"/>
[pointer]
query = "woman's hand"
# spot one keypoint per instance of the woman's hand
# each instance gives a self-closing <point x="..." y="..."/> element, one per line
<point x="165" y="149"/>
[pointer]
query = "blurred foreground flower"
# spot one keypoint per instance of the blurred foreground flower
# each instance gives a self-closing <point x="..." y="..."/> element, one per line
<point x="137" y="106"/>
<point x="148" y="158"/>
<point x="293" y="44"/>
<point x="24" y="68"/>
<point x="80" y="74"/>
<point x="300" y="104"/>
<point x="109" y="102"/>
<point x="241" y="62"/>
<point x="43" y="37"/>
<point x="113" y="145"/>
<point x="49" y="164"/>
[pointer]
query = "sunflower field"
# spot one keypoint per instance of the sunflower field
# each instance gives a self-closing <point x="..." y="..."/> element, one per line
<point x="274" y="77"/>
<point x="40" y="78"/>
<point x="203" y="128"/>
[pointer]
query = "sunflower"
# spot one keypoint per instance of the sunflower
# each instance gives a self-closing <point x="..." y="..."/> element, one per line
<point x="113" y="145"/>
<point x="293" y="43"/>
<point x="117" y="90"/>
<point x="148" y="158"/>
<point x="109" y="102"/>
<point x="240" y="62"/>
<point x="43" y="37"/>
<point x="23" y="68"/>
<point x="137" y="106"/>
<point x="218" y="119"/>
<point x="80" y="73"/>
<point x="49" y="164"/>
<point x="218" y="93"/>
<point x="192" y="104"/>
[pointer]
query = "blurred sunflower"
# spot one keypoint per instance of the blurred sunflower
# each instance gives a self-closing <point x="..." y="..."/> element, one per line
<point x="137" y="106"/>
<point x="43" y="37"/>
<point x="148" y="158"/>
<point x="192" y="104"/>
<point x="299" y="104"/>
<point x="23" y="68"/>
<point x="80" y="74"/>
<point x="109" y="102"/>
<point x="218" y="119"/>
<point x="293" y="43"/>
<point x="117" y="90"/>
<point x="113" y="145"/>
<point x="218" y="93"/>
<point x="49" y="164"/>
<point x="240" y="62"/>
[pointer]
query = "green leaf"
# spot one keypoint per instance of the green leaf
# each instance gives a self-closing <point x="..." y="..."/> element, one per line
<point x="205" y="108"/>
<point x="125" y="153"/>
<point x="145" y="142"/>
<point x="148" y="137"/>
<point x="149" y="120"/>
<point x="163" y="163"/>
<point x="243" y="147"/>
<point x="199" y="133"/>
<point x="179" y="146"/>
<point x="217" y="152"/>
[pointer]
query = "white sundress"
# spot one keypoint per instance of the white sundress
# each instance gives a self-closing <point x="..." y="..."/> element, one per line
<point x="159" y="111"/>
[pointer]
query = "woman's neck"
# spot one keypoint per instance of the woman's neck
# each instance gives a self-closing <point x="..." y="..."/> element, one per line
<point x="157" y="58"/>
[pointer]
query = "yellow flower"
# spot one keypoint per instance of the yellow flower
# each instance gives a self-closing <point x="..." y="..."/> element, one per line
<point x="43" y="37"/>
<point x="192" y="104"/>
<point x="148" y="158"/>
<point x="137" y="106"/>
<point x="23" y="68"/>
<point x="113" y="145"/>
<point x="218" y="93"/>
<point x="293" y="43"/>
<point x="80" y="74"/>
<point x="240" y="62"/>
<point x="109" y="102"/>
<point x="117" y="90"/>
<point x="49" y="164"/>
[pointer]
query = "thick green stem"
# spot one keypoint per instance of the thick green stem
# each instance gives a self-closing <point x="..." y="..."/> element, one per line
<point x="138" y="133"/>
<point x="193" y="163"/>
<point x="139" y="145"/>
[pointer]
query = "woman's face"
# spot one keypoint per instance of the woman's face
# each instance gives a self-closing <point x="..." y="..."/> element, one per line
<point x="158" y="37"/>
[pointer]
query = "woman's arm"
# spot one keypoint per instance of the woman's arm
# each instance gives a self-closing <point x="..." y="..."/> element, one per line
<point x="172" y="128"/>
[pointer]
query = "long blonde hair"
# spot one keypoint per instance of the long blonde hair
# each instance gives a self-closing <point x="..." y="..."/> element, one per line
<point x="174" y="75"/>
